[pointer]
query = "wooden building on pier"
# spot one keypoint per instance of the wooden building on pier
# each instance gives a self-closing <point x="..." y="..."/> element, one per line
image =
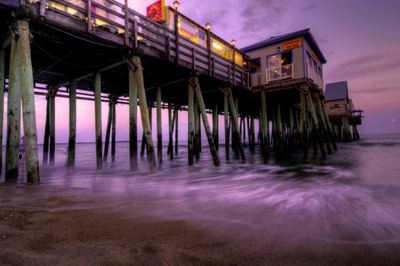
<point x="288" y="70"/>
<point x="285" y="61"/>
<point x="341" y="111"/>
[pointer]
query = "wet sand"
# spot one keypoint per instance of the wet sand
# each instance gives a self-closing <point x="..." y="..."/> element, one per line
<point x="286" y="212"/>
<point x="78" y="228"/>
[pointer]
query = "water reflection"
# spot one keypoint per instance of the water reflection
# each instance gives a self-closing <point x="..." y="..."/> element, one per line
<point x="353" y="198"/>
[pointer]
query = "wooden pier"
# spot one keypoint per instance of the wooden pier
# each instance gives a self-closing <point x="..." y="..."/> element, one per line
<point x="103" y="51"/>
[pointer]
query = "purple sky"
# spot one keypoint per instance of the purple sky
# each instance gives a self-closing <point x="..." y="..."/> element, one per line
<point x="360" y="39"/>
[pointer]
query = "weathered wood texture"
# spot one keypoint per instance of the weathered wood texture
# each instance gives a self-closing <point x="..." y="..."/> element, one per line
<point x="203" y="112"/>
<point x="13" y="114"/>
<point x="2" y="85"/>
<point x="72" y="125"/>
<point x="133" y="137"/>
<point x="138" y="77"/>
<point x="97" y="111"/>
<point x="190" y="121"/>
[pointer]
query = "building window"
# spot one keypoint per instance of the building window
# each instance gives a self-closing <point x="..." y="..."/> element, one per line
<point x="280" y="66"/>
<point x="279" y="60"/>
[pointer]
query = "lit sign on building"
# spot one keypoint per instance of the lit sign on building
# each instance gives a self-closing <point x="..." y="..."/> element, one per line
<point x="156" y="11"/>
<point x="292" y="44"/>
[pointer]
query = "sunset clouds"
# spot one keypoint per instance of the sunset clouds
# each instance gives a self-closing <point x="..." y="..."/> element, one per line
<point x="360" y="39"/>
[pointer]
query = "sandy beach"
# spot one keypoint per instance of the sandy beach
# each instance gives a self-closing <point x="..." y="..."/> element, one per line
<point x="78" y="229"/>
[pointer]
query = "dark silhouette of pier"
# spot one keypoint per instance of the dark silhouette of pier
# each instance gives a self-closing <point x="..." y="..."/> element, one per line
<point x="105" y="51"/>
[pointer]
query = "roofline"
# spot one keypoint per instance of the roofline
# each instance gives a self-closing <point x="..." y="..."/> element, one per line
<point x="278" y="39"/>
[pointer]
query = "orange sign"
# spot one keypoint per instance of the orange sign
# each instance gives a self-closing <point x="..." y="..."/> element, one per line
<point x="292" y="44"/>
<point x="156" y="11"/>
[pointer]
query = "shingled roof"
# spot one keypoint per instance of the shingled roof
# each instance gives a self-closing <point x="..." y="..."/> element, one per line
<point x="277" y="39"/>
<point x="336" y="91"/>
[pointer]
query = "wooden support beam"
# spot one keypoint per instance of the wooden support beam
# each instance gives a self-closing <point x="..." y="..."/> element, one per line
<point x="138" y="76"/>
<point x="226" y="120"/>
<point x="332" y="131"/>
<point x="171" y="120"/>
<point x="108" y="131"/>
<point x="52" y="132"/>
<point x="88" y="75"/>
<point x="196" y="129"/>
<point x="241" y="127"/>
<point x="159" y="125"/>
<point x="264" y="124"/>
<point x="47" y="131"/>
<point x="72" y="125"/>
<point x="324" y="127"/>
<point x="143" y="144"/>
<point x="356" y="135"/>
<point x="279" y="128"/>
<point x="2" y="86"/>
<point x="113" y="129"/>
<point x="291" y="126"/>
<point x="215" y="126"/>
<point x="243" y="135"/>
<point x="316" y="126"/>
<point x="97" y="111"/>
<point x="28" y="103"/>
<point x="253" y="134"/>
<point x="13" y="113"/>
<point x="176" y="130"/>
<point x="303" y="124"/>
<point x="235" y="123"/>
<point x="190" y="121"/>
<point x="133" y="137"/>
<point x="206" y="124"/>
<point x="248" y="131"/>
<point x="346" y="130"/>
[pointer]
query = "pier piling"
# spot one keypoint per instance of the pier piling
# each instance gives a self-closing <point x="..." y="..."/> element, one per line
<point x="215" y="127"/>
<point x="113" y="128"/>
<point x="159" y="125"/>
<point x="52" y="132"/>
<point x="13" y="113"/>
<point x="264" y="124"/>
<point x="72" y="125"/>
<point x="133" y="137"/>
<point x="97" y="104"/>
<point x="206" y="124"/>
<point x="28" y="102"/>
<point x="144" y="111"/>
<point x="176" y="129"/>
<point x="190" y="121"/>
<point x="108" y="130"/>
<point x="2" y="87"/>
<point x="235" y="124"/>
<point x="226" y="122"/>
<point x="46" y="139"/>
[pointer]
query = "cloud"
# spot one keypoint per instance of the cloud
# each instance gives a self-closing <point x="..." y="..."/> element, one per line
<point x="262" y="14"/>
<point x="309" y="7"/>
<point x="375" y="89"/>
<point x="366" y="66"/>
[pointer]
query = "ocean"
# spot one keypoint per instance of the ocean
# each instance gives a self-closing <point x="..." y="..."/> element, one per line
<point x="348" y="202"/>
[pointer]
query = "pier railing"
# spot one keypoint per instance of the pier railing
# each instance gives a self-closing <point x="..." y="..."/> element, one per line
<point x="114" y="21"/>
<point x="280" y="73"/>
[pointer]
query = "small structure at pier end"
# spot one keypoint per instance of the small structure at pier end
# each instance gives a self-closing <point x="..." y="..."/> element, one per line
<point x="288" y="70"/>
<point x="341" y="111"/>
